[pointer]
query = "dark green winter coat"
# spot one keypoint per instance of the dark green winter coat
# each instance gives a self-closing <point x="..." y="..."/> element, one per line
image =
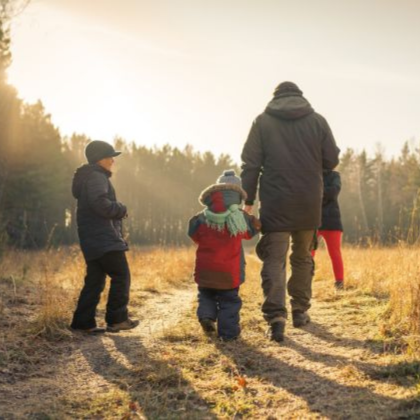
<point x="99" y="213"/>
<point x="287" y="149"/>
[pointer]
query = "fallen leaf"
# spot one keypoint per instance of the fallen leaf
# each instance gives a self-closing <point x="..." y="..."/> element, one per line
<point x="241" y="381"/>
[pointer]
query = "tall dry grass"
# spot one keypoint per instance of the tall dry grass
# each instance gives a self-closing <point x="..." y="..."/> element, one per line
<point x="390" y="274"/>
<point x="157" y="269"/>
<point x="52" y="281"/>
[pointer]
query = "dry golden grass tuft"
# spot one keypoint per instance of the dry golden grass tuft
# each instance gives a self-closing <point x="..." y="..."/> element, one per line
<point x="392" y="275"/>
<point x="160" y="269"/>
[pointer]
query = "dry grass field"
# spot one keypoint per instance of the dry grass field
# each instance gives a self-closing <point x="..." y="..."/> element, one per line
<point x="359" y="358"/>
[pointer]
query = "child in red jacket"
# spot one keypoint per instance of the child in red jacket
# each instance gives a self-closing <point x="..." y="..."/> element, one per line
<point x="220" y="263"/>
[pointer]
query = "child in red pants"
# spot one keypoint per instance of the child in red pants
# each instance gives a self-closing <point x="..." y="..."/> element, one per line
<point x="332" y="228"/>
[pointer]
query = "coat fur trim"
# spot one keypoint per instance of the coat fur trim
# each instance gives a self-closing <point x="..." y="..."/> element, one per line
<point x="221" y="187"/>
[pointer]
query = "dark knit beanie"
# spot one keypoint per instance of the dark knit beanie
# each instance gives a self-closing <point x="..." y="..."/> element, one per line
<point x="97" y="150"/>
<point x="287" y="87"/>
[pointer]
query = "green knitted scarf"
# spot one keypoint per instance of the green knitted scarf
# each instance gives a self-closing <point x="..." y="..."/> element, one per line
<point x="233" y="218"/>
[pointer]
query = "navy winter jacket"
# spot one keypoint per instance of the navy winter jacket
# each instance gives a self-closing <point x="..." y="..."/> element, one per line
<point x="99" y="213"/>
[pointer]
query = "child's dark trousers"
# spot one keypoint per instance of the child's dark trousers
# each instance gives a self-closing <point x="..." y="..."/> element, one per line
<point x="222" y="306"/>
<point x="114" y="264"/>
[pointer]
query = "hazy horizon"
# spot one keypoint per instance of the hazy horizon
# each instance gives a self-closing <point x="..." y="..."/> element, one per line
<point x="199" y="74"/>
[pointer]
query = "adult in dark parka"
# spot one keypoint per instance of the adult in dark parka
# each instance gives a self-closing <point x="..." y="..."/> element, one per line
<point x="287" y="149"/>
<point x="99" y="223"/>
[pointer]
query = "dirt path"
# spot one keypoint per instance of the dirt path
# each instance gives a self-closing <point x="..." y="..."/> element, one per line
<point x="81" y="373"/>
<point x="334" y="368"/>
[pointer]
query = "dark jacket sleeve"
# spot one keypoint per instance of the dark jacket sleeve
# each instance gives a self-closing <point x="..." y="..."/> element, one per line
<point x="99" y="202"/>
<point x="332" y="189"/>
<point x="252" y="162"/>
<point x="330" y="151"/>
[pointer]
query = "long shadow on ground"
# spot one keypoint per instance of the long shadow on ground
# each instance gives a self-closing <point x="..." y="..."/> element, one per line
<point x="158" y="387"/>
<point x="322" y="395"/>
<point x="390" y="373"/>
<point x="323" y="333"/>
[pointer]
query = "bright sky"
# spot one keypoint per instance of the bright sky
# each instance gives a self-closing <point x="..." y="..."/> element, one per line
<point x="199" y="71"/>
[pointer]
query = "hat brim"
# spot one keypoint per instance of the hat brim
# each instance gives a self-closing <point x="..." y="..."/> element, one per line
<point x="113" y="154"/>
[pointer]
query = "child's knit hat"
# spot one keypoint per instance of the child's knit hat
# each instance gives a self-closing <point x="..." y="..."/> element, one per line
<point x="227" y="181"/>
<point x="222" y="202"/>
<point x="229" y="177"/>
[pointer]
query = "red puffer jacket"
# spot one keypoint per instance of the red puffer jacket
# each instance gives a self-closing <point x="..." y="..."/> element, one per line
<point x="220" y="261"/>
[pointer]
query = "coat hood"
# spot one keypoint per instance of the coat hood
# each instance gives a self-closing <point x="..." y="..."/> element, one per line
<point x="84" y="173"/>
<point x="219" y="197"/>
<point x="289" y="106"/>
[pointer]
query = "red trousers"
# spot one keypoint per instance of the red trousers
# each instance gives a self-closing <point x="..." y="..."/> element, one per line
<point x="333" y="240"/>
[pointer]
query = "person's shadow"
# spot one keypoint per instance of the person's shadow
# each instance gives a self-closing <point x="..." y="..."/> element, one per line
<point x="318" y="330"/>
<point x="158" y="387"/>
<point x="372" y="371"/>
<point x="323" y="395"/>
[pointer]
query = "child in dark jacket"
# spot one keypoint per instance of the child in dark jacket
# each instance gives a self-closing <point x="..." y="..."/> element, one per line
<point x="220" y="262"/>
<point x="332" y="228"/>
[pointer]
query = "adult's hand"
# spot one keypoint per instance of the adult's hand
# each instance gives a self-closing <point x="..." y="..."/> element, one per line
<point x="248" y="209"/>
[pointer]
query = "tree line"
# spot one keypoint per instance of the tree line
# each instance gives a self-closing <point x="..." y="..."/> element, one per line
<point x="161" y="185"/>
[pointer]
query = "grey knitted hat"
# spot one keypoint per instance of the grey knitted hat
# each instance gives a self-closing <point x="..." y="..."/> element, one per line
<point x="229" y="177"/>
<point x="227" y="181"/>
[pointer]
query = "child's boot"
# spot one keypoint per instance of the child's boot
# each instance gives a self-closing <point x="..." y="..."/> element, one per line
<point x="208" y="325"/>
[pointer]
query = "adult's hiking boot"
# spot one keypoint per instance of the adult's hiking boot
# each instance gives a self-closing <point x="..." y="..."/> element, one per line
<point x="129" y="324"/>
<point x="300" y="318"/>
<point x="339" y="285"/>
<point x="276" y="331"/>
<point x="208" y="325"/>
<point x="92" y="331"/>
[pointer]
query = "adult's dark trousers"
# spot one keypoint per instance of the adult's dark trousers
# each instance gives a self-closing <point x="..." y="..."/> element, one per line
<point x="272" y="249"/>
<point x="115" y="265"/>
<point x="223" y="306"/>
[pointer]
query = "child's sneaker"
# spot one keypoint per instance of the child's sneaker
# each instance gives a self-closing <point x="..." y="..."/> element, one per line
<point x="208" y="325"/>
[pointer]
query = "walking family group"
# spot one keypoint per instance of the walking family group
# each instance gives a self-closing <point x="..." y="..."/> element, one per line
<point x="288" y="159"/>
